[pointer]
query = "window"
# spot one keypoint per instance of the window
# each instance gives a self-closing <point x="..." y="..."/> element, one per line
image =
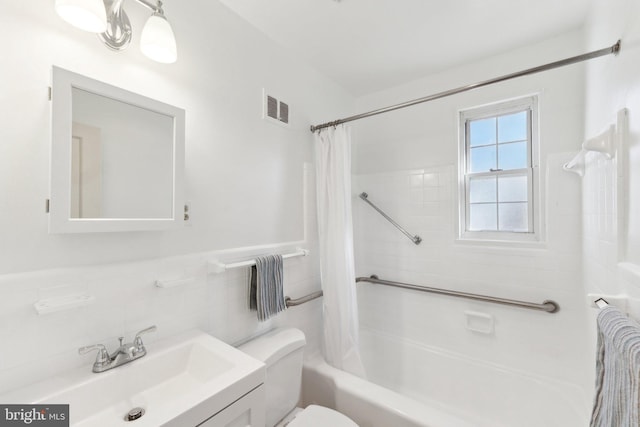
<point x="498" y="193"/>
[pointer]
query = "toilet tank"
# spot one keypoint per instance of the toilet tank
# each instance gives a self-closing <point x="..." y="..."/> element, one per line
<point x="281" y="350"/>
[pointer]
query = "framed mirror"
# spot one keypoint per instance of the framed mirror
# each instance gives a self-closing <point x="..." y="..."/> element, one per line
<point x="117" y="158"/>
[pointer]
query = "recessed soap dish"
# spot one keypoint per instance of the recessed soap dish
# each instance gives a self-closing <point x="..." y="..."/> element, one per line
<point x="67" y="302"/>
<point x="479" y="322"/>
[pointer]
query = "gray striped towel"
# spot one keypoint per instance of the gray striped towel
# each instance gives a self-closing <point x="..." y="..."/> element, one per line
<point x="617" y="398"/>
<point x="266" y="294"/>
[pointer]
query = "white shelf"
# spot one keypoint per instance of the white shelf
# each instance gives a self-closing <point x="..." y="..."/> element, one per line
<point x="166" y="284"/>
<point x="67" y="302"/>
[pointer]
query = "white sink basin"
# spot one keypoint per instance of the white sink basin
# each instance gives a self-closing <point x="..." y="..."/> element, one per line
<point x="181" y="381"/>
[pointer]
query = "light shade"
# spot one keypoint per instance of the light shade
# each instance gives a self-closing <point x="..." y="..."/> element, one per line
<point x="157" y="40"/>
<point x="88" y="15"/>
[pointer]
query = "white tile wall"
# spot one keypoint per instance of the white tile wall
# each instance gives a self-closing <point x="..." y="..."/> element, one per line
<point x="423" y="201"/>
<point x="35" y="347"/>
<point x="610" y="87"/>
<point x="600" y="212"/>
<point x="126" y="300"/>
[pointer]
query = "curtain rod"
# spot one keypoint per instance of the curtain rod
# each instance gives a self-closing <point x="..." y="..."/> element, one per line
<point x="568" y="61"/>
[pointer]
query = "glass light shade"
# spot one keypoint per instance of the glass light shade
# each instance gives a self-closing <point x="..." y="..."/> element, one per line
<point x="88" y="15"/>
<point x="157" y="41"/>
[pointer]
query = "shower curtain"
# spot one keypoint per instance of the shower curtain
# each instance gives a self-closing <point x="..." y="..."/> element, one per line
<point x="340" y="310"/>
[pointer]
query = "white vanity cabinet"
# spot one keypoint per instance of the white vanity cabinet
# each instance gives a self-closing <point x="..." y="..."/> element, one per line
<point x="248" y="411"/>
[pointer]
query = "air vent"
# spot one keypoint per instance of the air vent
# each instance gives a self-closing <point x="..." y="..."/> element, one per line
<point x="275" y="111"/>
<point x="272" y="107"/>
<point x="283" y="116"/>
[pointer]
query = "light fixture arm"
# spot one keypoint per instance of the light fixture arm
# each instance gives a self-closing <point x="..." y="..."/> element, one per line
<point x="118" y="34"/>
<point x="156" y="8"/>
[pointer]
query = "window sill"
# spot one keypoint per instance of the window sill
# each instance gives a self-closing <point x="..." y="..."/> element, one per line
<point x="511" y="240"/>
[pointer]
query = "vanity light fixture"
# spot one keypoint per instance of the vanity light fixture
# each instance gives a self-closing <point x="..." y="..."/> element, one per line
<point x="109" y="20"/>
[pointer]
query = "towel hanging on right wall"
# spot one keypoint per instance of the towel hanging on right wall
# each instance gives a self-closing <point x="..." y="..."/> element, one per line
<point x="617" y="399"/>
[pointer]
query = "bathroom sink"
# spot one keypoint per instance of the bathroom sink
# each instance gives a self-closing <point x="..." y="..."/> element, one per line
<point x="181" y="381"/>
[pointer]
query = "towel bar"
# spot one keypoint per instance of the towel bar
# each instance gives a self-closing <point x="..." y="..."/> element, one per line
<point x="219" y="267"/>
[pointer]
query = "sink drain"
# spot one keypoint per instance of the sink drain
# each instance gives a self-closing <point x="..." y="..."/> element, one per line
<point x="134" y="414"/>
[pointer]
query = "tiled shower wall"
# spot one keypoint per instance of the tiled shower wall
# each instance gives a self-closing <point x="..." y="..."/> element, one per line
<point x="423" y="202"/>
<point x="611" y="186"/>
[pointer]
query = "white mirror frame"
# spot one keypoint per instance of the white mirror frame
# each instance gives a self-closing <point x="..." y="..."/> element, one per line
<point x="60" y="220"/>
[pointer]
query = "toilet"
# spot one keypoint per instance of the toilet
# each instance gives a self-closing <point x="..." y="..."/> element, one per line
<point x="281" y="350"/>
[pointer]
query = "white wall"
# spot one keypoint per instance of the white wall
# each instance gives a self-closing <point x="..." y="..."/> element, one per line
<point x="243" y="174"/>
<point x="407" y="162"/>
<point x="245" y="180"/>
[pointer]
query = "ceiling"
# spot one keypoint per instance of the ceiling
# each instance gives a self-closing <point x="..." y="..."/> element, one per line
<point x="369" y="45"/>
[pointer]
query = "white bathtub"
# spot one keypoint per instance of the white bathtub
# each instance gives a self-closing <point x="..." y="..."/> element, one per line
<point x="426" y="387"/>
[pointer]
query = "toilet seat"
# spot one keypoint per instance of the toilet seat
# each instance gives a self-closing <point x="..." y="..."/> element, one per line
<point x="319" y="416"/>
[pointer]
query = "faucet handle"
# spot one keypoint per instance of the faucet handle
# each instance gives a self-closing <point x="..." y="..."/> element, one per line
<point x="137" y="342"/>
<point x="103" y="355"/>
<point x="147" y="330"/>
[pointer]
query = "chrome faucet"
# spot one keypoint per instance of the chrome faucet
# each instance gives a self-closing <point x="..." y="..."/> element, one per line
<point x="125" y="353"/>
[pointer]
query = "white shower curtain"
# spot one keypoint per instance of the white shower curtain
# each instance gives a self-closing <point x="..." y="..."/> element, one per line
<point x="340" y="310"/>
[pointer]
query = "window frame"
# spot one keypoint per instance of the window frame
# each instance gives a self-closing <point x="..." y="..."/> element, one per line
<point x="535" y="233"/>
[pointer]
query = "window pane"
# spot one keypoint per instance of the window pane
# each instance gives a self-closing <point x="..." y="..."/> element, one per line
<point x="482" y="190"/>
<point x="483" y="159"/>
<point x="512" y="127"/>
<point x="512" y="188"/>
<point x="482" y="132"/>
<point x="513" y="155"/>
<point x="514" y="217"/>
<point x="483" y="217"/>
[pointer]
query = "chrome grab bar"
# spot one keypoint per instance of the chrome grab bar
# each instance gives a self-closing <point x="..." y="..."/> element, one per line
<point x="548" y="305"/>
<point x="293" y="302"/>
<point x="415" y="239"/>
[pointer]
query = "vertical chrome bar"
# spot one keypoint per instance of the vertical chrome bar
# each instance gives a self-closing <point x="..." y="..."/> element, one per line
<point x="415" y="239"/>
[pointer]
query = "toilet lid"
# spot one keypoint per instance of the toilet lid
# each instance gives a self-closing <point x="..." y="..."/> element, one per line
<point x="319" y="416"/>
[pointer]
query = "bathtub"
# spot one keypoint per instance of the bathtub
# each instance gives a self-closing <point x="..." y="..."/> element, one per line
<point x="440" y="390"/>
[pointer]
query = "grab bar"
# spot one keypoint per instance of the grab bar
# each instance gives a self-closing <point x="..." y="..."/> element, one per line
<point x="415" y="239"/>
<point x="293" y="302"/>
<point x="548" y="305"/>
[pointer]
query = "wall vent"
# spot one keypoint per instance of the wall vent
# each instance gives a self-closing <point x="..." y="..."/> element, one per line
<point x="272" y="107"/>
<point x="283" y="115"/>
<point x="275" y="111"/>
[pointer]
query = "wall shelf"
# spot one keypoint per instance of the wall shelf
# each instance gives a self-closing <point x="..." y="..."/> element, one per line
<point x="67" y="302"/>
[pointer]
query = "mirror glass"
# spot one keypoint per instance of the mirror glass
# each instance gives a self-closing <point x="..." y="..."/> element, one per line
<point x="116" y="158"/>
<point x="121" y="159"/>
